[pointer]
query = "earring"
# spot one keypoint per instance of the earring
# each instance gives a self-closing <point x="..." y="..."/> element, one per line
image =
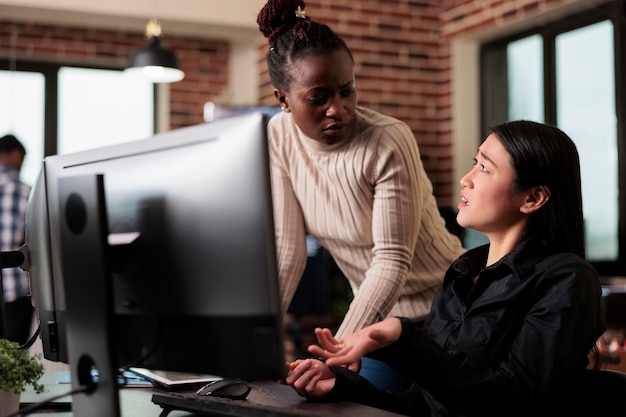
<point x="285" y="109"/>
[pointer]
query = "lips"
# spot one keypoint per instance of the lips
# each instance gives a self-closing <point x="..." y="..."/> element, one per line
<point x="463" y="201"/>
<point x="335" y="129"/>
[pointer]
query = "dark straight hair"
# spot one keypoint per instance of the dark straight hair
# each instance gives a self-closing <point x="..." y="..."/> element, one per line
<point x="9" y="143"/>
<point x="544" y="155"/>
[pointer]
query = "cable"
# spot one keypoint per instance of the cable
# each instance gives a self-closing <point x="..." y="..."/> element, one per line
<point x="33" y="338"/>
<point x="139" y="362"/>
<point x="34" y="407"/>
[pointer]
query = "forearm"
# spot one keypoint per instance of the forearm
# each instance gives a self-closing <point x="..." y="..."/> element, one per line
<point x="449" y="377"/>
<point x="376" y="297"/>
<point x="396" y="217"/>
<point x="349" y="386"/>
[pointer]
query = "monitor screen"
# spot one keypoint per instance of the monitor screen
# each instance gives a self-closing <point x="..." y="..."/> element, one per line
<point x="193" y="284"/>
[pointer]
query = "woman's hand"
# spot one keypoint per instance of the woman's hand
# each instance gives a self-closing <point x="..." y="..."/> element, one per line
<point x="311" y="378"/>
<point x="348" y="352"/>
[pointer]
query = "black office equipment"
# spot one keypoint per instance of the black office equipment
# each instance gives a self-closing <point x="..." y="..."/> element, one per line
<point x="233" y="388"/>
<point x="159" y="254"/>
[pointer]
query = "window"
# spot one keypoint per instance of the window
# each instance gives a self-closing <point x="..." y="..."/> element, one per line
<point x="102" y="107"/>
<point x="22" y="108"/>
<point x="564" y="73"/>
<point x="59" y="109"/>
<point x="585" y="99"/>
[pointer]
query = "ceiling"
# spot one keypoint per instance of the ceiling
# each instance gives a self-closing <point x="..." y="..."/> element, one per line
<point x="234" y="20"/>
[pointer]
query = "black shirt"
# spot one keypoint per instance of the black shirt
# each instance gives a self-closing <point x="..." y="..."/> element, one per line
<point x="514" y="344"/>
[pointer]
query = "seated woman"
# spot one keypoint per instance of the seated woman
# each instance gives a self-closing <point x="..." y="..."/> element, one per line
<point x="511" y="328"/>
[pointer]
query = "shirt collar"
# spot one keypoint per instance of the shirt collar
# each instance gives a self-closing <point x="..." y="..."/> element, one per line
<point x="9" y="171"/>
<point x="519" y="261"/>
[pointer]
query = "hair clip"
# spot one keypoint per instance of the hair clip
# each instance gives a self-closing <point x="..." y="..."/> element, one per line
<point x="301" y="13"/>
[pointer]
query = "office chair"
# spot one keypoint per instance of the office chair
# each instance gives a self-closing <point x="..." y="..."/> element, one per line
<point x="605" y="393"/>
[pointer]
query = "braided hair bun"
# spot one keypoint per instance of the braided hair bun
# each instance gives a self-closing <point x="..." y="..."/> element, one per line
<point x="278" y="16"/>
<point x="292" y="35"/>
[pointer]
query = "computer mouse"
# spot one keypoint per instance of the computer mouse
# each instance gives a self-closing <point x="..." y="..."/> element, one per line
<point x="233" y="388"/>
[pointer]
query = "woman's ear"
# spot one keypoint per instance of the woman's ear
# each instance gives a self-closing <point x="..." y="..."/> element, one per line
<point x="535" y="199"/>
<point x="281" y="97"/>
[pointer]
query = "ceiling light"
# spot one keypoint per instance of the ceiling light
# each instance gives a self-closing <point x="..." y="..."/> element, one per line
<point x="153" y="62"/>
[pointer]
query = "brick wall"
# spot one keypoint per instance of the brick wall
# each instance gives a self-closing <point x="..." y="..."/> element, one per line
<point x="205" y="61"/>
<point x="403" y="63"/>
<point x="398" y="68"/>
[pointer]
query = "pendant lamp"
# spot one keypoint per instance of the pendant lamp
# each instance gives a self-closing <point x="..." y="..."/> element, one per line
<point x="153" y="62"/>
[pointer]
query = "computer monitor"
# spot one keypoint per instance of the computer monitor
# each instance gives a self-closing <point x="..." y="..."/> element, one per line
<point x="160" y="253"/>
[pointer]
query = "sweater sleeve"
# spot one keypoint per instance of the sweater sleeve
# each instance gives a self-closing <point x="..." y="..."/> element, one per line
<point x="288" y="223"/>
<point x="396" y="175"/>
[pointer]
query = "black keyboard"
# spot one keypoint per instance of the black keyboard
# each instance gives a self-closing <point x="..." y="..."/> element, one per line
<point x="266" y="398"/>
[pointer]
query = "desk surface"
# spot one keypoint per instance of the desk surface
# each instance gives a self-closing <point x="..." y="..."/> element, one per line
<point x="135" y="402"/>
<point x="266" y="396"/>
<point x="269" y="398"/>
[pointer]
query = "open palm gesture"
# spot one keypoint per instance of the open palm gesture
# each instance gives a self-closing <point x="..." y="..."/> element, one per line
<point x="348" y="351"/>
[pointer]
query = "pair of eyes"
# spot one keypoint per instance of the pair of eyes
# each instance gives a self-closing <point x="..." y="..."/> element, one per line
<point x="321" y="99"/>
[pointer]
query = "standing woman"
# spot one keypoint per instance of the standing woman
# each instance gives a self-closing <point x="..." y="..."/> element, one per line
<point x="512" y="326"/>
<point x="350" y="177"/>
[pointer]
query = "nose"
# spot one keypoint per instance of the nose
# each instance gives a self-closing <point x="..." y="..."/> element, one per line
<point x="336" y="107"/>
<point x="466" y="180"/>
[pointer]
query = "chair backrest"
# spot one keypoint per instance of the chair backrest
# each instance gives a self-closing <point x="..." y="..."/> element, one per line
<point x="605" y="392"/>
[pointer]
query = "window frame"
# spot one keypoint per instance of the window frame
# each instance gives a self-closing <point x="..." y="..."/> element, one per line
<point x="50" y="71"/>
<point x="615" y="11"/>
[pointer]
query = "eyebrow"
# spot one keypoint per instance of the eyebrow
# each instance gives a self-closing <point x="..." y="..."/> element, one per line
<point x="341" y="87"/>
<point x="484" y="155"/>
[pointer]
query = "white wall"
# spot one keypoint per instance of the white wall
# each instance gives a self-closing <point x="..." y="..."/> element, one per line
<point x="232" y="19"/>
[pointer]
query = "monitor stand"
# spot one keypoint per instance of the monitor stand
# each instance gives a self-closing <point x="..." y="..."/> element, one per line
<point x="88" y="296"/>
<point x="10" y="259"/>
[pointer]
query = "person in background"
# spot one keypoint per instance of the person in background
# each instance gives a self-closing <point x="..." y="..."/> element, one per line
<point x="350" y="177"/>
<point x="512" y="326"/>
<point x="13" y="199"/>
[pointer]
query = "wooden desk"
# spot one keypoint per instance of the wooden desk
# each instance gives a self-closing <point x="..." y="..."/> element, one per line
<point x="266" y="398"/>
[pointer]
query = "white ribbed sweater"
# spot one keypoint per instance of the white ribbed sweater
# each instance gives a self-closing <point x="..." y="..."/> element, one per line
<point x="369" y="202"/>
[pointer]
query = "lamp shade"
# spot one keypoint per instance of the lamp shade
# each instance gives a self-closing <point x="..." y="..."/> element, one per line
<point x="155" y="63"/>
